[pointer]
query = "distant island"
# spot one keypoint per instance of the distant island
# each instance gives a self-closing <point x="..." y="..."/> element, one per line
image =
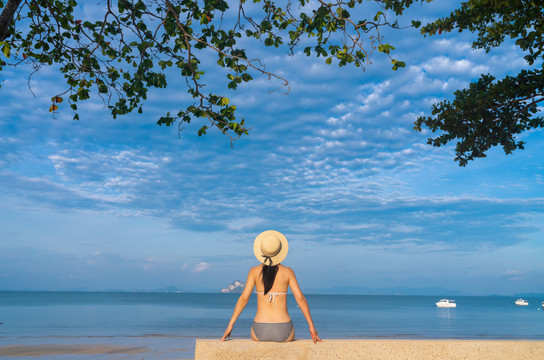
<point x="236" y="286"/>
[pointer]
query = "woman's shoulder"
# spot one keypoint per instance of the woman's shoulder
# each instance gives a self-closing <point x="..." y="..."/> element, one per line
<point x="254" y="273"/>
<point x="285" y="269"/>
<point x="255" y="269"/>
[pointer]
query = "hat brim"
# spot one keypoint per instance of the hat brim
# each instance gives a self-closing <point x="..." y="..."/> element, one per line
<point x="280" y="256"/>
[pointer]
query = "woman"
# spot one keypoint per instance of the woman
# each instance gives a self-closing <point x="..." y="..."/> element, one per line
<point x="271" y="279"/>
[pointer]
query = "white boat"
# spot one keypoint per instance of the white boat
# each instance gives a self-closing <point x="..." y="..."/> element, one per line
<point x="521" y="302"/>
<point x="543" y="304"/>
<point x="446" y="303"/>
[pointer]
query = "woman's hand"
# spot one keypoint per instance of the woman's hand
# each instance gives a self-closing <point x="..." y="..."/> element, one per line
<point x="227" y="333"/>
<point x="313" y="332"/>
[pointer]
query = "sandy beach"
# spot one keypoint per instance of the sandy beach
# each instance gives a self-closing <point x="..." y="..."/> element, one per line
<point x="373" y="350"/>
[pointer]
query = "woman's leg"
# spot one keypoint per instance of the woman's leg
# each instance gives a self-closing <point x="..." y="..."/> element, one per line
<point x="292" y="336"/>
<point x="253" y="336"/>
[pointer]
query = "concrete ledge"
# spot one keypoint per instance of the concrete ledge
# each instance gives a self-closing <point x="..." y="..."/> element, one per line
<point x="371" y="350"/>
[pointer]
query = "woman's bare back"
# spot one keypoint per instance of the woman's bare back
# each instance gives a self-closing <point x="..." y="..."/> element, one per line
<point x="272" y="307"/>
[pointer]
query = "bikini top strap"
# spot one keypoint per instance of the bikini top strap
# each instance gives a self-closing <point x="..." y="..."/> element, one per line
<point x="272" y="296"/>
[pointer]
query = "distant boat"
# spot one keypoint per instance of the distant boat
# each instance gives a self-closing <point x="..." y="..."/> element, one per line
<point x="446" y="303"/>
<point x="521" y="302"/>
<point x="543" y="304"/>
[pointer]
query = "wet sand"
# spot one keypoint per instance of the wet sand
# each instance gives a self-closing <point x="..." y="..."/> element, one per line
<point x="53" y="349"/>
<point x="91" y="350"/>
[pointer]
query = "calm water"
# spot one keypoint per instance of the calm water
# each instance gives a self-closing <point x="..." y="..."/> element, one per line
<point x="169" y="323"/>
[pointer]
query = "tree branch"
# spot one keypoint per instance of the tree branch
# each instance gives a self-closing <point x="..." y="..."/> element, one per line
<point x="6" y="18"/>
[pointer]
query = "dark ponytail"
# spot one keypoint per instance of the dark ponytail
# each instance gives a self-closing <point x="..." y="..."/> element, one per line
<point x="269" y="275"/>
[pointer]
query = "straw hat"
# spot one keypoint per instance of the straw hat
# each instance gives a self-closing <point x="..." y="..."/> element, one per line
<point x="271" y="247"/>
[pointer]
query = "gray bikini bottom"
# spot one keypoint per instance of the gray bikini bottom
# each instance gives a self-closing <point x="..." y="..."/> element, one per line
<point x="278" y="332"/>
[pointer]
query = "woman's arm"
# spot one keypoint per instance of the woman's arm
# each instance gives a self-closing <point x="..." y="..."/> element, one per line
<point x="303" y="305"/>
<point x="241" y="304"/>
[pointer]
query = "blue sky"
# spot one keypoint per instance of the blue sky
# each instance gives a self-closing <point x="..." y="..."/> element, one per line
<point x="334" y="165"/>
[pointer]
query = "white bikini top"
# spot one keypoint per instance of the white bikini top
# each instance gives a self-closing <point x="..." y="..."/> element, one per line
<point x="272" y="296"/>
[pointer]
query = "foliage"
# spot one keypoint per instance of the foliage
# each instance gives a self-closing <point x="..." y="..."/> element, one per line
<point x="137" y="43"/>
<point x="489" y="112"/>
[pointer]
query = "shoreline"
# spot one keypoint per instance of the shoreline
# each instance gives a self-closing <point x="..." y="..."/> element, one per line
<point x="58" y="349"/>
<point x="151" y="346"/>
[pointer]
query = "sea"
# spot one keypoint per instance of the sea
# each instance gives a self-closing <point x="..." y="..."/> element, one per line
<point x="167" y="324"/>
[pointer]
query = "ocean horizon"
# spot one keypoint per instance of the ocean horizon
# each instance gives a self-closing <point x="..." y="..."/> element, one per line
<point x="171" y="322"/>
<point x="400" y="291"/>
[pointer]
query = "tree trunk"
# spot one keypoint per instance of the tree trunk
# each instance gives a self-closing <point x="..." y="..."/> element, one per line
<point x="6" y="18"/>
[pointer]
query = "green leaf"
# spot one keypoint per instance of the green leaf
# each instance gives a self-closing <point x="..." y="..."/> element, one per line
<point x="397" y="64"/>
<point x="5" y="48"/>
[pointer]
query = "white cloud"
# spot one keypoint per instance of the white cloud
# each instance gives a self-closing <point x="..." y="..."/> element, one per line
<point x="446" y="65"/>
<point x="241" y="224"/>
<point x="202" y="266"/>
<point x="459" y="47"/>
<point x="514" y="275"/>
